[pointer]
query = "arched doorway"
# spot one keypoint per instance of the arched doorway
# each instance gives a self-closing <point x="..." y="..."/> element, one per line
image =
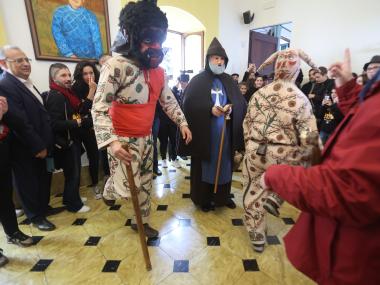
<point x="184" y="44"/>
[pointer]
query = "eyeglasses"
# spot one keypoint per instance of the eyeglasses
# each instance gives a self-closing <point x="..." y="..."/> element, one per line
<point x="20" y="60"/>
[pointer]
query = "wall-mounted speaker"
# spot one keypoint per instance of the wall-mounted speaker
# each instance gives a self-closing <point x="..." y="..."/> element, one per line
<point x="247" y="17"/>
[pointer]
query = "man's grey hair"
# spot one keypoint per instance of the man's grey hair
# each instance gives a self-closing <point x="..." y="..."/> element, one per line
<point x="5" y="48"/>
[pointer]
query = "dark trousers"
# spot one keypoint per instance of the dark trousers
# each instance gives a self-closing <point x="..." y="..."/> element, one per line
<point x="91" y="146"/>
<point x="155" y="129"/>
<point x="167" y="135"/>
<point x="7" y="209"/>
<point x="104" y="158"/>
<point x="71" y="165"/>
<point x="32" y="183"/>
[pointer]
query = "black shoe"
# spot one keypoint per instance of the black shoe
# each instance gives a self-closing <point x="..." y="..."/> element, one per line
<point x="230" y="204"/>
<point x="3" y="259"/>
<point x="54" y="211"/>
<point x="208" y="207"/>
<point x="183" y="157"/>
<point x="43" y="224"/>
<point x="149" y="232"/>
<point x="157" y="172"/>
<point x="20" y="239"/>
<point x="109" y="203"/>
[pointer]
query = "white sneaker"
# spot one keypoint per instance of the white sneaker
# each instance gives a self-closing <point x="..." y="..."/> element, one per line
<point x="19" y="212"/>
<point x="176" y="164"/>
<point x="97" y="192"/>
<point x="164" y="163"/>
<point x="84" y="199"/>
<point x="84" y="209"/>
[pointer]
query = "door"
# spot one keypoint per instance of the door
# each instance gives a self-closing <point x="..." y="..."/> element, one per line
<point x="261" y="46"/>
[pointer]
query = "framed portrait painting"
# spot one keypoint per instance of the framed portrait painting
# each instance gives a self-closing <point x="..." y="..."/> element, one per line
<point x="69" y="30"/>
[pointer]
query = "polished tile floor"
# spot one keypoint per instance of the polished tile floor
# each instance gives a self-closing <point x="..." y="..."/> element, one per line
<point x="194" y="247"/>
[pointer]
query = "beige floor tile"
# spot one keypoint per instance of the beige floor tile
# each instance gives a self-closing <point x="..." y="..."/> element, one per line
<point x="180" y="279"/>
<point x="132" y="269"/>
<point x="183" y="243"/>
<point x="30" y="278"/>
<point x="216" y="266"/>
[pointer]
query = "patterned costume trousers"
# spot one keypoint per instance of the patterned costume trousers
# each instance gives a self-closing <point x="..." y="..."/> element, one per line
<point x="117" y="185"/>
<point x="254" y="166"/>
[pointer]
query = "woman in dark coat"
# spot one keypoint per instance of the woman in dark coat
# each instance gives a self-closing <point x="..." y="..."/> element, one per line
<point x="86" y="77"/>
<point x="205" y="91"/>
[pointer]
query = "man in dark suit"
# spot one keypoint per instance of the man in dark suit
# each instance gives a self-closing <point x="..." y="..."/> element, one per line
<point x="29" y="147"/>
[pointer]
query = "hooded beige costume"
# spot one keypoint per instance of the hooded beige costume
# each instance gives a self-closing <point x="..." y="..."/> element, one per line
<point x="277" y="123"/>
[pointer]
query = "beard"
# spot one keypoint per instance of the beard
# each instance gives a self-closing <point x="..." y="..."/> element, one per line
<point x="150" y="58"/>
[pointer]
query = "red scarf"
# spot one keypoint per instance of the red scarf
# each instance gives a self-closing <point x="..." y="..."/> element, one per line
<point x="74" y="100"/>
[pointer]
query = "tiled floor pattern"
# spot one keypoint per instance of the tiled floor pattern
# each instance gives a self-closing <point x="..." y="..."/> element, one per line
<point x="193" y="248"/>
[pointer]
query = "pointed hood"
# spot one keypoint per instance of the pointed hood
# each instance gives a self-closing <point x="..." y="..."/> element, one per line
<point x="216" y="48"/>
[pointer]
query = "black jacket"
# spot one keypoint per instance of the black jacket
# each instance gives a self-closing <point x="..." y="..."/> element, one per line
<point x="36" y="134"/>
<point x="65" y="129"/>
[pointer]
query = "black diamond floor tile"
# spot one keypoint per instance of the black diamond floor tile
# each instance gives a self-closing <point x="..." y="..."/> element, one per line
<point x="166" y="186"/>
<point x="172" y="170"/>
<point x="237" y="222"/>
<point x="92" y="241"/>
<point x="187" y="177"/>
<point x="186" y="195"/>
<point x="59" y="195"/>
<point x="181" y="266"/>
<point x="213" y="241"/>
<point x="128" y="222"/>
<point x="37" y="239"/>
<point x="115" y="208"/>
<point x="111" y="266"/>
<point x="232" y="195"/>
<point x="79" y="222"/>
<point x="185" y="222"/>
<point x="288" y="221"/>
<point x="250" y="265"/>
<point x="162" y="207"/>
<point x="273" y="240"/>
<point x="41" y="265"/>
<point x="153" y="241"/>
<point x="188" y="164"/>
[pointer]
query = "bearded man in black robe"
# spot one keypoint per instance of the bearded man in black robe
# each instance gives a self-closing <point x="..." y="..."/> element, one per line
<point x="207" y="94"/>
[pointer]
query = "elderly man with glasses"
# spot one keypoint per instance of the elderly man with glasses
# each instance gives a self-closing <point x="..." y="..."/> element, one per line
<point x="31" y="144"/>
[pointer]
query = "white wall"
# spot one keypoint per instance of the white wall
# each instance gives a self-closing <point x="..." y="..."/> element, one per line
<point x="322" y="28"/>
<point x="18" y="33"/>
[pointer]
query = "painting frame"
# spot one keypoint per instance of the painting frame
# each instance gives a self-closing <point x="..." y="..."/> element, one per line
<point x="36" y="40"/>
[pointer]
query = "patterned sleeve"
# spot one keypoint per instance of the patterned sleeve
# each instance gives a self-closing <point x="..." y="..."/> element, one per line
<point x="171" y="107"/>
<point x="306" y="122"/>
<point x="59" y="37"/>
<point x="95" y="33"/>
<point x="109" y="83"/>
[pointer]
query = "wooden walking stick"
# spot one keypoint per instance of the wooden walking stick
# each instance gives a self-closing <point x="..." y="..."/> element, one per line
<point x="136" y="207"/>
<point x="225" y="118"/>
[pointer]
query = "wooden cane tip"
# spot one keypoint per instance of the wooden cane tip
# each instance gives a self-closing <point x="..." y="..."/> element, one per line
<point x="149" y="267"/>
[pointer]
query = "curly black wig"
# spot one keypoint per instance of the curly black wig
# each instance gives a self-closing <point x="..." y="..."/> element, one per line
<point x="136" y="16"/>
<point x="80" y="87"/>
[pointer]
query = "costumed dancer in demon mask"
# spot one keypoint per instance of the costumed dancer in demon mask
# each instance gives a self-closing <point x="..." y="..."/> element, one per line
<point x="204" y="97"/>
<point x="129" y="86"/>
<point x="278" y="122"/>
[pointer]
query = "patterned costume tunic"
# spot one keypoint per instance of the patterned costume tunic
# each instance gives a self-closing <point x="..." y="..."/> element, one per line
<point x="278" y="121"/>
<point x="122" y="81"/>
